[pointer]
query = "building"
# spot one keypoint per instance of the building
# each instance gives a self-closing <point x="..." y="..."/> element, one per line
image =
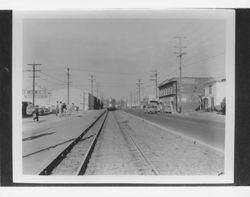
<point x="42" y="95"/>
<point x="191" y="92"/>
<point x="88" y="101"/>
<point x="91" y="102"/>
<point x="215" y="92"/>
<point x="75" y="96"/>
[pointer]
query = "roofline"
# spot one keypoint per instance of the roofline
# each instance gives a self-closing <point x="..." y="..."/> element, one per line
<point x="173" y="79"/>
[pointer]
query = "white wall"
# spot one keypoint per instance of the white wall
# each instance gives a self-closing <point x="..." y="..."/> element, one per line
<point x="220" y="92"/>
<point x="75" y="96"/>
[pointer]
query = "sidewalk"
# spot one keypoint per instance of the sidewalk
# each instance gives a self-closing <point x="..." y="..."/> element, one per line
<point x="41" y="143"/>
<point x="30" y="127"/>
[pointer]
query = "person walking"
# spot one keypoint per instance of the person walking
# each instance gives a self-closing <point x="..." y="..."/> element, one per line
<point x="57" y="108"/>
<point x="64" y="108"/>
<point x="60" y="109"/>
<point x="36" y="114"/>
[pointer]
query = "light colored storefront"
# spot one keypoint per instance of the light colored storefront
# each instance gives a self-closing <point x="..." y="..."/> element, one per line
<point x="215" y="92"/>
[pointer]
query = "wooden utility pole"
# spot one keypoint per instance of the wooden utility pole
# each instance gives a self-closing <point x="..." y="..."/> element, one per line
<point x="67" y="85"/>
<point x="131" y="99"/>
<point x="34" y="70"/>
<point x="154" y="78"/>
<point x="139" y="83"/>
<point x="180" y="53"/>
<point x="92" y="81"/>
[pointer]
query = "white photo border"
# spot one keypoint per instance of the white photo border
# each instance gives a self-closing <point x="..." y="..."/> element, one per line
<point x="227" y="15"/>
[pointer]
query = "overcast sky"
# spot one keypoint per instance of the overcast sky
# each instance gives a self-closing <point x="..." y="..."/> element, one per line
<point x="118" y="52"/>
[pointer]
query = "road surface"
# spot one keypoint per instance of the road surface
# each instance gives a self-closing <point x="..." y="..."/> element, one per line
<point x="208" y="132"/>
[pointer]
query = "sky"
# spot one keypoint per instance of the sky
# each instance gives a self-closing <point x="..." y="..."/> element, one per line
<point x="120" y="51"/>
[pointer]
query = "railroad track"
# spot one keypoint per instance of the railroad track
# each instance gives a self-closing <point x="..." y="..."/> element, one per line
<point x="138" y="148"/>
<point x="75" y="157"/>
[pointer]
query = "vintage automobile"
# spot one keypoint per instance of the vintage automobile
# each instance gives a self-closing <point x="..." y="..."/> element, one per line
<point x="27" y="108"/>
<point x="43" y="110"/>
<point x="150" y="109"/>
<point x="167" y="109"/>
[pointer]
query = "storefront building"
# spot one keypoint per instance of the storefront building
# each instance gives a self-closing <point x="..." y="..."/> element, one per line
<point x="215" y="92"/>
<point x="191" y="91"/>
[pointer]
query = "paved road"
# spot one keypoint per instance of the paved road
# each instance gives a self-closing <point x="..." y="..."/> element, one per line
<point x="206" y="131"/>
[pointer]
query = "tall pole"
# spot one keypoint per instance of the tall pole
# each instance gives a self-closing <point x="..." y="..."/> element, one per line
<point x="180" y="53"/>
<point x="131" y="99"/>
<point x="33" y="93"/>
<point x="68" y="86"/>
<point x="154" y="78"/>
<point x="34" y="70"/>
<point x="92" y="80"/>
<point x="139" y="83"/>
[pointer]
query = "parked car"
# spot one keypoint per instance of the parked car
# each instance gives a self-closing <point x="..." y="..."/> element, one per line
<point x="27" y="108"/>
<point x="150" y="109"/>
<point x="43" y="110"/>
<point x="167" y="109"/>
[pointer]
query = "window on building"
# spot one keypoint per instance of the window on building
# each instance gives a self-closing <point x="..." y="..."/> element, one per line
<point x="210" y="89"/>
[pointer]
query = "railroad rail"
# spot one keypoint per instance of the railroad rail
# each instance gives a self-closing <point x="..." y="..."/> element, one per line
<point x="83" y="165"/>
<point x="139" y="149"/>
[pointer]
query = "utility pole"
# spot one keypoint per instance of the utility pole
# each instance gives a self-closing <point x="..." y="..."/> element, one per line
<point x="92" y="81"/>
<point x="34" y="70"/>
<point x="139" y="83"/>
<point x="68" y="86"/>
<point x="131" y="99"/>
<point x="135" y="99"/>
<point x="180" y="53"/>
<point x="154" y="78"/>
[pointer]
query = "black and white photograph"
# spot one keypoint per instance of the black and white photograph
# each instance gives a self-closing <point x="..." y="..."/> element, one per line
<point x="123" y="96"/>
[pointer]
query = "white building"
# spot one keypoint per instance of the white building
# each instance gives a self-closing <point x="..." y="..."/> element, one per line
<point x="43" y="97"/>
<point x="88" y="101"/>
<point x="215" y="92"/>
<point x="75" y="96"/>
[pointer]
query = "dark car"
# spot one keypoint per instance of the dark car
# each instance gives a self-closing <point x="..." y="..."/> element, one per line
<point x="43" y="110"/>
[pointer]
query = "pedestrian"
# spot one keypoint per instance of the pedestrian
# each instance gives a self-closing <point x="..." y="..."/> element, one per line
<point x="64" y="108"/>
<point x="60" y="108"/>
<point x="57" y="108"/>
<point x="36" y="114"/>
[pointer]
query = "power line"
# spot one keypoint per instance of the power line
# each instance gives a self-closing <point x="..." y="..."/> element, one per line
<point x="106" y="72"/>
<point x="55" y="83"/>
<point x="53" y="77"/>
<point x="205" y="59"/>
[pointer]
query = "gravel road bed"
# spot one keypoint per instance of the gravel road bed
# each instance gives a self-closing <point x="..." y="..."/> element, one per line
<point x="115" y="154"/>
<point x="172" y="154"/>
